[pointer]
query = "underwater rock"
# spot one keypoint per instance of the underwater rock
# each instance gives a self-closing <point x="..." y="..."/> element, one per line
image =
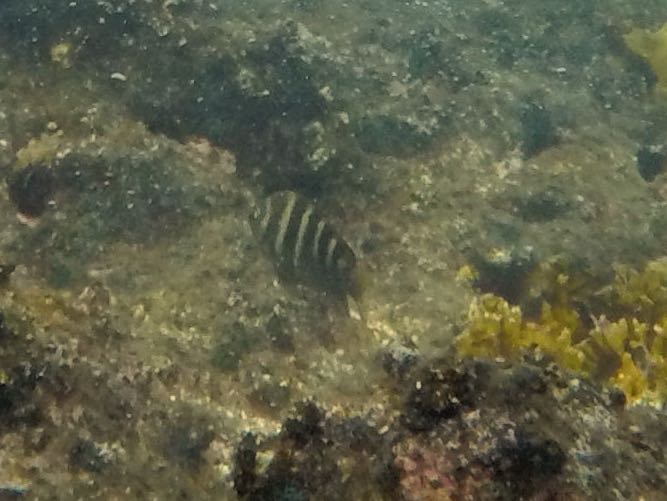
<point x="12" y="492"/>
<point x="437" y="395"/>
<point x="126" y="185"/>
<point x="61" y="272"/>
<point x="251" y="82"/>
<point x="526" y="460"/>
<point x="427" y="55"/>
<point x="110" y="176"/>
<point x="252" y="87"/>
<point x="306" y="427"/>
<point x="17" y="405"/>
<point x="225" y="358"/>
<point x="524" y="380"/>
<point x="363" y="438"/>
<point x="427" y="472"/>
<point x="546" y="204"/>
<point x="398" y="359"/>
<point x="503" y="271"/>
<point x="503" y="29"/>
<point x="538" y="131"/>
<point x="186" y="439"/>
<point x="5" y="272"/>
<point x="317" y="457"/>
<point x="5" y="330"/>
<point x="390" y="135"/>
<point x="245" y="462"/>
<point x="48" y="22"/>
<point x="617" y="398"/>
<point x="236" y="340"/>
<point x="359" y="433"/>
<point x="31" y="188"/>
<point x="137" y="194"/>
<point x="430" y="57"/>
<point x="86" y="455"/>
<point x="650" y="163"/>
<point x="267" y="91"/>
<point x="453" y="459"/>
<point x="279" y="334"/>
<point x="270" y="395"/>
<point x="532" y="429"/>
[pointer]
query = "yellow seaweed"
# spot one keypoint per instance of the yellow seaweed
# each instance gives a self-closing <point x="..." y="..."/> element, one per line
<point x="644" y="294"/>
<point x="630" y="379"/>
<point x="629" y="352"/>
<point x="652" y="46"/>
<point x="41" y="150"/>
<point x="61" y="54"/>
<point x="496" y="328"/>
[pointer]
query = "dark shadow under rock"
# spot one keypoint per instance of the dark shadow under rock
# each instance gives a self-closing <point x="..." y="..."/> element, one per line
<point x="538" y="131"/>
<point x="307" y="460"/>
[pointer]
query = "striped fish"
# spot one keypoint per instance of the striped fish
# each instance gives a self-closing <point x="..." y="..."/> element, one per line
<point x="305" y="245"/>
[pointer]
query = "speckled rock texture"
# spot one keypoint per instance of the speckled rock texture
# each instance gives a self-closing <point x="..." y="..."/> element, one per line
<point x="150" y="350"/>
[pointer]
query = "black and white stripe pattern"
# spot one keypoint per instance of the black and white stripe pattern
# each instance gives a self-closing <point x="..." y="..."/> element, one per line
<point x="301" y="240"/>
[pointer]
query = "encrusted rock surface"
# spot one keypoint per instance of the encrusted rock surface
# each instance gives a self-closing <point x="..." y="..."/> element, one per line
<point x="148" y="349"/>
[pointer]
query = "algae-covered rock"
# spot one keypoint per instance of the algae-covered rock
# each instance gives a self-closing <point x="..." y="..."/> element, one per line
<point x="538" y="131"/>
<point x="144" y="334"/>
<point x="387" y="135"/>
<point x="503" y="271"/>
<point x="255" y="96"/>
<point x="563" y="431"/>
<point x="508" y="435"/>
<point x="314" y="455"/>
<point x="547" y="204"/>
<point x="108" y="190"/>
<point x="650" y="163"/>
<point x="86" y="455"/>
<point x="31" y="188"/>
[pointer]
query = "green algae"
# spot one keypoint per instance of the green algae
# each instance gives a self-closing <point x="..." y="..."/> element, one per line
<point x="652" y="46"/>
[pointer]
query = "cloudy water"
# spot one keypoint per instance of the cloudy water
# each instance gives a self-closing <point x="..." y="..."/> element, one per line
<point x="363" y="250"/>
